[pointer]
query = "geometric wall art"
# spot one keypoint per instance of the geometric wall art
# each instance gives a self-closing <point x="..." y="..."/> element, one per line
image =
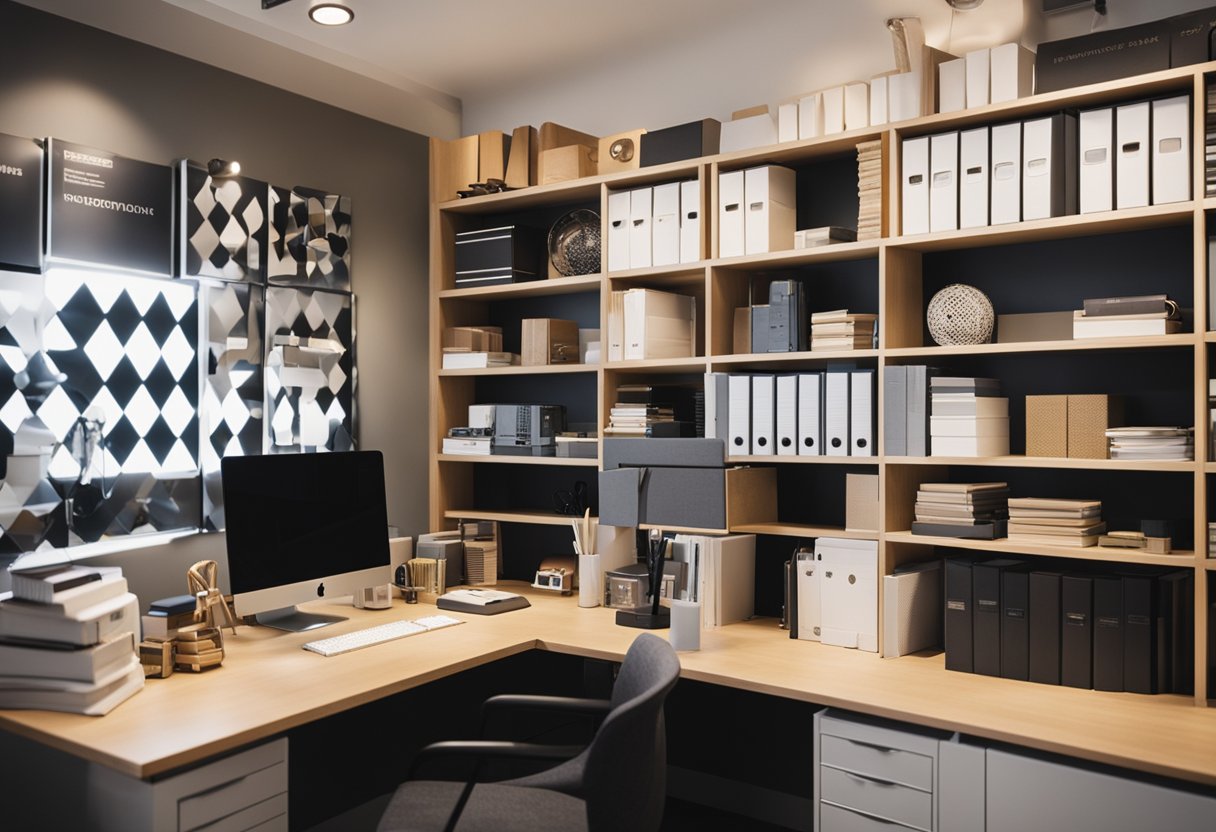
<point x="310" y="237"/>
<point x="224" y="225"/>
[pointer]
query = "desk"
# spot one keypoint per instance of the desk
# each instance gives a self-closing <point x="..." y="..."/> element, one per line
<point x="268" y="685"/>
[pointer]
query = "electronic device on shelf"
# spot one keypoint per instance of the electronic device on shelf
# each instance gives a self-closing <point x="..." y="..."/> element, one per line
<point x="379" y="634"/>
<point x="481" y="601"/>
<point x="302" y="527"/>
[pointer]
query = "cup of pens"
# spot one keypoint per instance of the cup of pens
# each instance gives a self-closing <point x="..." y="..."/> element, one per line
<point x="590" y="576"/>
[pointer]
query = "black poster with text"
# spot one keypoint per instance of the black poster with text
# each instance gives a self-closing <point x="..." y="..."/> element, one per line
<point x="107" y="210"/>
<point x="20" y="203"/>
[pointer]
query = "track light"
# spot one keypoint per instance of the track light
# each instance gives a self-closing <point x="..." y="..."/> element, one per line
<point x="220" y="168"/>
<point x="964" y="5"/>
<point x="330" y="12"/>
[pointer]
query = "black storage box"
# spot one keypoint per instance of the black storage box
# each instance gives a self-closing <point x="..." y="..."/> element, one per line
<point x="684" y="141"/>
<point x="492" y="256"/>
<point x="1191" y="37"/>
<point x="20" y="203"/>
<point x="1102" y="56"/>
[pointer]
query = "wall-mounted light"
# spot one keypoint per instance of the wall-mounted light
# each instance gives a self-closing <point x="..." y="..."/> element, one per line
<point x="221" y="168"/>
<point x="964" y="5"/>
<point x="330" y="12"/>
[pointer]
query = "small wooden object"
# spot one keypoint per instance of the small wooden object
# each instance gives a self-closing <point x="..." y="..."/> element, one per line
<point x="549" y="341"/>
<point x="741" y="336"/>
<point x="562" y="164"/>
<point x="522" y="160"/>
<point x="1047" y="426"/>
<point x="621" y="151"/>
<point x="472" y="339"/>
<point x="1089" y="417"/>
<point x="156" y="657"/>
<point x="493" y="148"/>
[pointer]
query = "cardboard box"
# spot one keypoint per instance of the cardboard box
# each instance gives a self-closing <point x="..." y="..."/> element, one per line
<point x="548" y="341"/>
<point x="1089" y="417"/>
<point x="684" y="141"/>
<point x="741" y="341"/>
<point x="1034" y="326"/>
<point x="621" y="151"/>
<point x="472" y="339"/>
<point x="1047" y="426"/>
<point x="1102" y="56"/>
<point x="861" y="502"/>
<point x="562" y="164"/>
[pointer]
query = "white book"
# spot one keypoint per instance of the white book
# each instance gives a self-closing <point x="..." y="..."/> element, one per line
<point x="73" y="601"/>
<point x="969" y="445"/>
<point x="85" y="664"/>
<point x="808" y="591"/>
<point x="878" y="101"/>
<point x="912" y="605"/>
<point x="477" y="360"/>
<point x="616" y="326"/>
<point x="90" y="699"/>
<point x="810" y="116"/>
<point x="968" y="426"/>
<point x="734" y="567"/>
<point x="1097" y="328"/>
<point x="91" y="625"/>
<point x="740" y="416"/>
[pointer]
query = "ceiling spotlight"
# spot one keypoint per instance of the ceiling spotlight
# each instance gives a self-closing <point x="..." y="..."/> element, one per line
<point x="330" y="12"/>
<point x="964" y="5"/>
<point x="220" y="168"/>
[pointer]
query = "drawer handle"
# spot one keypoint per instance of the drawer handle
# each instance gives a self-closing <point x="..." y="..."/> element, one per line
<point x="217" y="788"/>
<point x="883" y="748"/>
<point x="869" y="778"/>
<point x="875" y="818"/>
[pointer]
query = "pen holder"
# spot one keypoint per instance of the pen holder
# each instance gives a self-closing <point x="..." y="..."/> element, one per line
<point x="590" y="581"/>
<point x="685" y="625"/>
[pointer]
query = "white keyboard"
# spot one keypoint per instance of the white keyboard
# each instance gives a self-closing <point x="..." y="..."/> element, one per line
<point x="379" y="634"/>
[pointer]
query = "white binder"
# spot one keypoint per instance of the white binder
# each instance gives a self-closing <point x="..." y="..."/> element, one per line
<point x="878" y="100"/>
<point x="973" y="178"/>
<point x="730" y="213"/>
<point x="690" y="221"/>
<point x="787" y="122"/>
<point x="1096" y="137"/>
<point x="848" y="592"/>
<point x="836" y="414"/>
<point x="978" y="66"/>
<point x="640" y="200"/>
<point x="1171" y="149"/>
<point x="856" y="106"/>
<point x="665" y="230"/>
<point x="739" y="415"/>
<point x="770" y="203"/>
<point x="915" y="190"/>
<point x="810" y="116"/>
<point x="861" y="413"/>
<point x="952" y="86"/>
<point x="764" y="427"/>
<point x="1132" y="155"/>
<point x="1042" y="169"/>
<point x="833" y="110"/>
<point x="810" y="414"/>
<point x="1006" y="188"/>
<point x="618" y="231"/>
<point x="943" y="182"/>
<point x="787" y="415"/>
<point x="807" y="589"/>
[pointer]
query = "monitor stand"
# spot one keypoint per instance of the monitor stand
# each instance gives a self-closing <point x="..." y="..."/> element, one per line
<point x="294" y="620"/>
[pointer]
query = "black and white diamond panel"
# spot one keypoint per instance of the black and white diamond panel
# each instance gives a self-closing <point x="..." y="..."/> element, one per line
<point x="310" y="370"/>
<point x="310" y="235"/>
<point x="224" y="225"/>
<point x="233" y="322"/>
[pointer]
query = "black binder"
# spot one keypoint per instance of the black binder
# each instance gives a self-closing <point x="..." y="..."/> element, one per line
<point x="958" y="615"/>
<point x="1044" y="628"/>
<point x="986" y="620"/>
<point x="1141" y="673"/>
<point x="1076" y="631"/>
<point x="1015" y="633"/>
<point x="1176" y="632"/>
<point x="1108" y="632"/>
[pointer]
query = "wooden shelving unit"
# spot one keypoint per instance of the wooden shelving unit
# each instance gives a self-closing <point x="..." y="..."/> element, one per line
<point x="534" y="518"/>
<point x="902" y="271"/>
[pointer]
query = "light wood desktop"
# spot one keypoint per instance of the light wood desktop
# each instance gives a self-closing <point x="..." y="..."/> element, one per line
<point x="268" y="685"/>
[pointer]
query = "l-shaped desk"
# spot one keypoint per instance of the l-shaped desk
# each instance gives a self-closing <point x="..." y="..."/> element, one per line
<point x="268" y="685"/>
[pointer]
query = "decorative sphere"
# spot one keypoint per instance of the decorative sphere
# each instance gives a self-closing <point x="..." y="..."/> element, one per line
<point x="960" y="314"/>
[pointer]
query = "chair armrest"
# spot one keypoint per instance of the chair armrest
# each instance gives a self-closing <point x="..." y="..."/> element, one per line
<point x="481" y="749"/>
<point x="557" y="704"/>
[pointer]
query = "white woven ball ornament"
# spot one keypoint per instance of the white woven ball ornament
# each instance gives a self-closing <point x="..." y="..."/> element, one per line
<point x="960" y="314"/>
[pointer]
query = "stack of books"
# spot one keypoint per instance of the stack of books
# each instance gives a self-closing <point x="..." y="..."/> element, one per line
<point x="956" y="426"/>
<point x="467" y="445"/>
<point x="1212" y="540"/>
<point x="1209" y="141"/>
<point x="828" y="234"/>
<point x="652" y="411"/>
<point x="1152" y="443"/>
<point x="840" y="329"/>
<point x="478" y="360"/>
<point x="869" y="190"/>
<point x="198" y="649"/>
<point x="1126" y="316"/>
<point x="971" y="510"/>
<point x="67" y="640"/>
<point x="1055" y="522"/>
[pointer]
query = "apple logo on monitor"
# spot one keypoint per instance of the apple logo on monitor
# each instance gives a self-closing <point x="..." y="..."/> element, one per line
<point x="321" y="590"/>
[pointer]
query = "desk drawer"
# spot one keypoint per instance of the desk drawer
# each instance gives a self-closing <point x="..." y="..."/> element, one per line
<point x="874" y="797"/>
<point x="839" y="819"/>
<point x="905" y="767"/>
<point x="220" y="801"/>
<point x="265" y="816"/>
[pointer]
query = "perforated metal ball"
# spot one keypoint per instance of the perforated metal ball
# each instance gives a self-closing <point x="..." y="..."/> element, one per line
<point x="960" y="314"/>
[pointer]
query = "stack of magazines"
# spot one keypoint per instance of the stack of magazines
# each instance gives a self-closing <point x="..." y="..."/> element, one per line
<point x="1152" y="443"/>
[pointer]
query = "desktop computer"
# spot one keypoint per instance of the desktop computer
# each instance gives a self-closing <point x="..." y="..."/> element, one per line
<point x="302" y="527"/>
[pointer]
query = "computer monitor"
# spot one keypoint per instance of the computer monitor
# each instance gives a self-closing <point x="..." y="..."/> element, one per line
<point x="302" y="527"/>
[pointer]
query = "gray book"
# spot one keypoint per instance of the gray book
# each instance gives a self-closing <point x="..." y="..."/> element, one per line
<point x="760" y="334"/>
<point x="895" y="410"/>
<point x="916" y="433"/>
<point x="786" y="316"/>
<point x="717" y="406"/>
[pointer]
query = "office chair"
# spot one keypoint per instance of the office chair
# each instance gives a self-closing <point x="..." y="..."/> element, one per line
<point x="618" y="782"/>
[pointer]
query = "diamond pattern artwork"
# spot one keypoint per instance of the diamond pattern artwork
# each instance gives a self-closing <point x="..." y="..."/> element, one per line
<point x="309" y="239"/>
<point x="232" y="406"/>
<point x="310" y="370"/>
<point x="224" y="225"/>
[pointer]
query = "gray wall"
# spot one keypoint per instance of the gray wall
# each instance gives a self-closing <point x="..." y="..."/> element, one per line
<point x="62" y="79"/>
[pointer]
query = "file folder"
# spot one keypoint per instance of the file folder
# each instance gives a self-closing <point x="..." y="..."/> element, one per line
<point x="978" y="68"/>
<point x="915" y="186"/>
<point x="810" y="116"/>
<point x="943" y="182"/>
<point x="618" y="231"/>
<point x="878" y="101"/>
<point x="787" y="415"/>
<point x="959" y="594"/>
<point x="640" y="202"/>
<point x="717" y="406"/>
<point x="808" y="591"/>
<point x="1049" y="178"/>
<point x="665" y="230"/>
<point x="833" y="110"/>
<point x="740" y="416"/>
<point x="836" y="408"/>
<point x="690" y="221"/>
<point x="1044" y="628"/>
<point x="1171" y="163"/>
<point x="1132" y="155"/>
<point x="861" y="413"/>
<point x="848" y="592"/>
<point x="973" y="178"/>
<point x="1011" y="73"/>
<point x="1140" y="635"/>
<point x="730" y="213"/>
<point x="659" y="324"/>
<point x="856" y="106"/>
<point x="810" y="414"/>
<point x="769" y="193"/>
<point x="1006" y="190"/>
<point x="1096" y="136"/>
<point x="1108" y="633"/>
<point x="952" y="86"/>
<point x="787" y="122"/>
<point x="1076" y="631"/>
<point x="895" y="410"/>
<point x="763" y="416"/>
<point x="986" y="581"/>
<point x="1015" y="630"/>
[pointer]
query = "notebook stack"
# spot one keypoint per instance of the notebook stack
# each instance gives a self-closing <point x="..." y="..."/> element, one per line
<point x="1209" y="141"/>
<point x="1152" y="443"/>
<point x="1212" y="540"/>
<point x="67" y="640"/>
<point x="1052" y="522"/>
<point x="652" y="411"/>
<point x="969" y="510"/>
<point x="869" y="190"/>
<point x="968" y="417"/>
<point x="842" y="330"/>
<point x="459" y="445"/>
<point x="1126" y="316"/>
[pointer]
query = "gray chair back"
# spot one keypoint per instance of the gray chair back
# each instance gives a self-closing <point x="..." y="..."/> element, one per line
<point x="625" y="780"/>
